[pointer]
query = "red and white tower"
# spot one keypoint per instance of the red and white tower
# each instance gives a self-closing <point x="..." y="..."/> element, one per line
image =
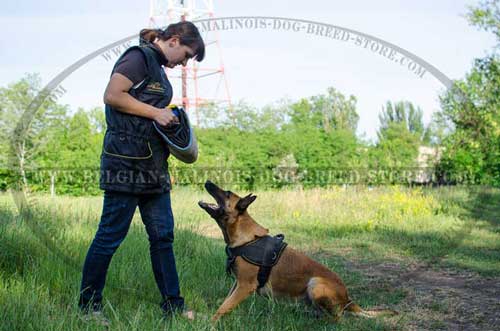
<point x="200" y="83"/>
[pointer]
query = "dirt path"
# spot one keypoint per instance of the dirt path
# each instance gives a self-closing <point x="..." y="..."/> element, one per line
<point x="440" y="299"/>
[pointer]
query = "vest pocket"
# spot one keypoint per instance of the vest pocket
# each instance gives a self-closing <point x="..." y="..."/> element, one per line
<point x="155" y="92"/>
<point x="126" y="146"/>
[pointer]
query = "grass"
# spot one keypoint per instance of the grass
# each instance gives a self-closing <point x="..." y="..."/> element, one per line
<point x="41" y="256"/>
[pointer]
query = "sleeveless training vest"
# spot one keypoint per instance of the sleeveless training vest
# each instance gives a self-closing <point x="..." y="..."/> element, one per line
<point x="134" y="157"/>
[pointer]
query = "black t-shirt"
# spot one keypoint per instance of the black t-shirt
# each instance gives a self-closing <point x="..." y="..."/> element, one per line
<point x="133" y="64"/>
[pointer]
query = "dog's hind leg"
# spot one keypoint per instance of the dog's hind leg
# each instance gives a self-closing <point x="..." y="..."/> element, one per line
<point x="323" y="297"/>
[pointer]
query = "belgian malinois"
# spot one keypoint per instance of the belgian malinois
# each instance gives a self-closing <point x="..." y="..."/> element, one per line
<point x="294" y="275"/>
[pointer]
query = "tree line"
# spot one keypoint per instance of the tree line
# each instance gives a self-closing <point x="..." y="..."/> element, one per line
<point x="307" y="142"/>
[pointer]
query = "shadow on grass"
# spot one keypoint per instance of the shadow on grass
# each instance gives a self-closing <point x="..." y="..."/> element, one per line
<point x="453" y="248"/>
<point x="485" y="205"/>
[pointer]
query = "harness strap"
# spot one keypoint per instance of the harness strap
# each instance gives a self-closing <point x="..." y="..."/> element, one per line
<point x="230" y="260"/>
<point x="263" y="276"/>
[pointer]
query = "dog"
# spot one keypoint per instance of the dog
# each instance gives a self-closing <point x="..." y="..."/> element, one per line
<point x="291" y="274"/>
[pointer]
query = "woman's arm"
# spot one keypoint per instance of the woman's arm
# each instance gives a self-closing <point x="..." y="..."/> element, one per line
<point x="116" y="95"/>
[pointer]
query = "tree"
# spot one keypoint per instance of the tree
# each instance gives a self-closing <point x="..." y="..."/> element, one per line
<point x="211" y="115"/>
<point x="97" y="120"/>
<point x="54" y="140"/>
<point x="486" y="16"/>
<point x="397" y="146"/>
<point x="473" y="106"/>
<point x="15" y="100"/>
<point x="439" y="129"/>
<point x="405" y="113"/>
<point x="336" y="111"/>
<point x="399" y="137"/>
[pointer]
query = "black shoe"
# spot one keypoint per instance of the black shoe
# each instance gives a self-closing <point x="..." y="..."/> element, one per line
<point x="172" y="305"/>
<point x="176" y="306"/>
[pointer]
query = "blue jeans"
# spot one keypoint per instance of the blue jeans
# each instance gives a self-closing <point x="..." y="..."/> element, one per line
<point x="117" y="213"/>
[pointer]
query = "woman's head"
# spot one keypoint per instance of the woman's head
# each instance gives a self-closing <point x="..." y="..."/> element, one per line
<point x="179" y="41"/>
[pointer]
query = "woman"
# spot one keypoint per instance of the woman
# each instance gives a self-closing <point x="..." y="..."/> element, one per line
<point x="134" y="170"/>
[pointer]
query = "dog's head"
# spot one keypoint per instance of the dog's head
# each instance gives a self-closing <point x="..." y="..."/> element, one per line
<point x="230" y="213"/>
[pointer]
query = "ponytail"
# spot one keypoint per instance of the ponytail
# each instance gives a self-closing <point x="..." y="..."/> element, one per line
<point x="187" y="33"/>
<point x="148" y="36"/>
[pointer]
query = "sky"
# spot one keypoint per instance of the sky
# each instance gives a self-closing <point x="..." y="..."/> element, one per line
<point x="262" y="66"/>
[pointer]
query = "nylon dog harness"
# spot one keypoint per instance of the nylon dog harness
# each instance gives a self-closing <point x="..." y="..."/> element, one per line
<point x="263" y="252"/>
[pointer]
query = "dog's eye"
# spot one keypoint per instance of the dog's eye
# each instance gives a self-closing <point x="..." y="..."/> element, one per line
<point x="228" y="194"/>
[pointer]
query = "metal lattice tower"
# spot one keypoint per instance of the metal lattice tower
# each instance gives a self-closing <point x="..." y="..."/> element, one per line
<point x="194" y="92"/>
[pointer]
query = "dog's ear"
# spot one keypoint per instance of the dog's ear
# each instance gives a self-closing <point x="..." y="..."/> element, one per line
<point x="244" y="202"/>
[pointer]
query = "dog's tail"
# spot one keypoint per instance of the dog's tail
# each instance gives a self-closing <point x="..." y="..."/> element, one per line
<point x="358" y="311"/>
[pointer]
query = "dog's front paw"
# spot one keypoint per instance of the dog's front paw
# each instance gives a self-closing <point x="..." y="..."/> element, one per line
<point x="215" y="318"/>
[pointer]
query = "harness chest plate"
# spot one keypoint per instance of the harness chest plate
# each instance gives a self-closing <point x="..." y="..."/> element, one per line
<point x="264" y="252"/>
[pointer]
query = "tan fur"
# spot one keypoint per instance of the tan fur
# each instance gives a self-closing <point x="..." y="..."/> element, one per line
<point x="295" y="275"/>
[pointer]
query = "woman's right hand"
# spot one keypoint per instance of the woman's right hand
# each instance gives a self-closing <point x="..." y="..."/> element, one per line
<point x="165" y="116"/>
<point x="117" y="96"/>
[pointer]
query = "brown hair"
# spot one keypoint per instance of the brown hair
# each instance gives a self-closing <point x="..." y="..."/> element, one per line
<point x="187" y="33"/>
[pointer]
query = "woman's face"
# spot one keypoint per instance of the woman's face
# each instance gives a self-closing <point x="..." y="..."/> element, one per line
<point x="175" y="52"/>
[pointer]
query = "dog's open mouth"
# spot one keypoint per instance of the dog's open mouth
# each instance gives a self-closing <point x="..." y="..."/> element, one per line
<point x="214" y="209"/>
<point x="206" y="205"/>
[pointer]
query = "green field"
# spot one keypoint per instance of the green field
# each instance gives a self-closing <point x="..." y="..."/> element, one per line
<point x="431" y="254"/>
